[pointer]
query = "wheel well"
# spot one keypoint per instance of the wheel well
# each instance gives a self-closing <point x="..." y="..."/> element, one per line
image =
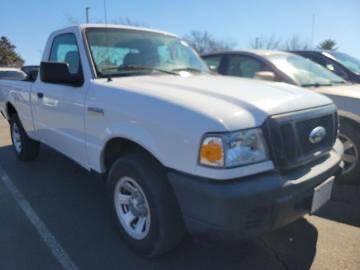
<point x="350" y="118"/>
<point x="119" y="147"/>
<point x="10" y="110"/>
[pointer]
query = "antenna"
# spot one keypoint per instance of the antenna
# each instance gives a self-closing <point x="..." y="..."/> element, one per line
<point x="105" y="12"/>
<point x="87" y="9"/>
<point x="109" y="79"/>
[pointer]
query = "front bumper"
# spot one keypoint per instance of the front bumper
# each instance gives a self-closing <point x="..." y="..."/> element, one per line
<point x="249" y="206"/>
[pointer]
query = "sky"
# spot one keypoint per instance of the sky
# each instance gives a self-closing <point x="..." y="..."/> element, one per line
<point x="28" y="23"/>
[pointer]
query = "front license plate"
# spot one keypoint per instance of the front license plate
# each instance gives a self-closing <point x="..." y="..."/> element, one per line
<point x="322" y="194"/>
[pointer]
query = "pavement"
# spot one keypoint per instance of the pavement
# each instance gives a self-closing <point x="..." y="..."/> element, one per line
<point x="55" y="215"/>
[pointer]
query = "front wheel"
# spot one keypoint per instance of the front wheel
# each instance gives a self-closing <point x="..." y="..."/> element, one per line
<point x="350" y="137"/>
<point x="25" y="148"/>
<point x="144" y="205"/>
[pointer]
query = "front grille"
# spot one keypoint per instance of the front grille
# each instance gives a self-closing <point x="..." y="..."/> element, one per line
<point x="305" y="127"/>
<point x="288" y="136"/>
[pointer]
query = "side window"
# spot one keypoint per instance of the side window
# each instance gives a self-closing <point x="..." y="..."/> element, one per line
<point x="326" y="63"/>
<point x="316" y="59"/>
<point x="334" y="67"/>
<point x="244" y="66"/>
<point x="213" y="62"/>
<point x="65" y="49"/>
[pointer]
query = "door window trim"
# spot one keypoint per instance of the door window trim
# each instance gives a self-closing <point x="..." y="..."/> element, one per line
<point x="80" y="71"/>
<point x="220" y="66"/>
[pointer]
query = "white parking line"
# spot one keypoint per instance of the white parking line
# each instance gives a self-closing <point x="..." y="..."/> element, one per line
<point x="54" y="246"/>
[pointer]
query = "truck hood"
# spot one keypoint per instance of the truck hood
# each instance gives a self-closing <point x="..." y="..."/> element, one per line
<point x="234" y="102"/>
<point x="345" y="90"/>
<point x="346" y="97"/>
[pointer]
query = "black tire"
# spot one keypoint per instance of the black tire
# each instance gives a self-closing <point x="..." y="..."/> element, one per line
<point x="29" y="148"/>
<point x="349" y="130"/>
<point x="166" y="227"/>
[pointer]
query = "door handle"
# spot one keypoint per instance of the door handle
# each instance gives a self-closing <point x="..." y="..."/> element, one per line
<point x="96" y="110"/>
<point x="40" y="95"/>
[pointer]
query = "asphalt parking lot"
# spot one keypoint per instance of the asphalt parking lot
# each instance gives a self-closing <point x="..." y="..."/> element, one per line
<point x="54" y="215"/>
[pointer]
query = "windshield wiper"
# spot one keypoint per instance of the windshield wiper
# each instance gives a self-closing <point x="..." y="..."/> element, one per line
<point x="187" y="69"/>
<point x="315" y="84"/>
<point x="136" y="68"/>
<point x="338" y="82"/>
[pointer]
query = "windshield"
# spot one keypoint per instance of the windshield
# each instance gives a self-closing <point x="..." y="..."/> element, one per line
<point x="119" y="52"/>
<point x="12" y="75"/>
<point x="303" y="71"/>
<point x="346" y="60"/>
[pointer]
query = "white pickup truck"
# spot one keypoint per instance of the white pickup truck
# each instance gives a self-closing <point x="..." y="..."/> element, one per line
<point x="182" y="150"/>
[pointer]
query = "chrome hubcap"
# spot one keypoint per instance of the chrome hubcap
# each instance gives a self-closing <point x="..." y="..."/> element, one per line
<point x="16" y="138"/>
<point x="132" y="208"/>
<point x="351" y="153"/>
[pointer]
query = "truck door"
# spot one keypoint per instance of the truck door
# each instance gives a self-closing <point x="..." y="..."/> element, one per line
<point x="59" y="108"/>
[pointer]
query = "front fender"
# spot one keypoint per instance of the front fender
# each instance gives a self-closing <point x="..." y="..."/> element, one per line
<point x="132" y="133"/>
<point x="349" y="115"/>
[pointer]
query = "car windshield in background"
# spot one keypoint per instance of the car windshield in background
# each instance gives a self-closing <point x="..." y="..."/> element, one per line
<point x="303" y="71"/>
<point x="346" y="60"/>
<point x="12" y="75"/>
<point x="122" y="52"/>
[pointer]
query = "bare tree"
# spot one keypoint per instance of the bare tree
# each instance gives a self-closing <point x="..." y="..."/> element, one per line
<point x="71" y="20"/>
<point x="267" y="43"/>
<point x="131" y="22"/>
<point x="328" y="44"/>
<point x="296" y="43"/>
<point x="274" y="43"/>
<point x="204" y="42"/>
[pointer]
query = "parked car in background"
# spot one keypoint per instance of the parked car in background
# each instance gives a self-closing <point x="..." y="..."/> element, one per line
<point x="290" y="68"/>
<point x="7" y="73"/>
<point x="182" y="150"/>
<point x="31" y="71"/>
<point x="342" y="64"/>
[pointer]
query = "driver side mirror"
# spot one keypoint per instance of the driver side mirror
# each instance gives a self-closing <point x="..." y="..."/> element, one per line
<point x="265" y="76"/>
<point x="58" y="73"/>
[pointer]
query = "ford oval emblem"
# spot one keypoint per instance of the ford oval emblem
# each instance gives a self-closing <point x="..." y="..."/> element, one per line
<point x="317" y="135"/>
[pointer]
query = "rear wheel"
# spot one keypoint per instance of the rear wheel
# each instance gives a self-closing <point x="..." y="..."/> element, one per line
<point x="144" y="205"/>
<point x="350" y="137"/>
<point x="25" y="148"/>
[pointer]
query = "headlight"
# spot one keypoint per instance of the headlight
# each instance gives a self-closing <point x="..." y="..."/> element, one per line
<point x="233" y="149"/>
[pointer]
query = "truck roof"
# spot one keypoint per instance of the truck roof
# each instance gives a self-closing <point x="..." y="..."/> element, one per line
<point x="253" y="51"/>
<point x="312" y="51"/>
<point x="117" y="26"/>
